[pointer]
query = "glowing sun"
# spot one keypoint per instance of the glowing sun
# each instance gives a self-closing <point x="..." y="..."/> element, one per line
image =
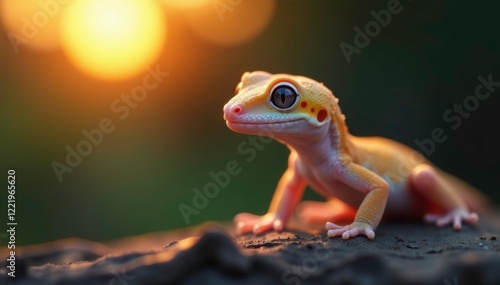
<point x="113" y="39"/>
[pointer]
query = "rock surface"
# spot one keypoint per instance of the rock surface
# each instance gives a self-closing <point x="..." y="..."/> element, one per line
<point x="401" y="253"/>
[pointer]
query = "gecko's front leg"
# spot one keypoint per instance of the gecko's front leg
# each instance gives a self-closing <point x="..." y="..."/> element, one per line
<point x="371" y="209"/>
<point x="288" y="193"/>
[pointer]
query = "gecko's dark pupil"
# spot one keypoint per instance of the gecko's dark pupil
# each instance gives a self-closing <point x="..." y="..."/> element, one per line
<point x="283" y="97"/>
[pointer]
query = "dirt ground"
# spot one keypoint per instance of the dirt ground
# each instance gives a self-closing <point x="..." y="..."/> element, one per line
<point x="401" y="253"/>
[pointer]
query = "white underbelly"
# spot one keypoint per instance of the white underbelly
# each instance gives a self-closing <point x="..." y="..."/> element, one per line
<point x="400" y="200"/>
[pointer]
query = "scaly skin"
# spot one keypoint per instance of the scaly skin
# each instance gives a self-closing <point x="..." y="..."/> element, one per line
<point x="377" y="176"/>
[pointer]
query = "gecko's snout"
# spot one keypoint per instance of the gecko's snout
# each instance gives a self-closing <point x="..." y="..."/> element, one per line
<point x="232" y="111"/>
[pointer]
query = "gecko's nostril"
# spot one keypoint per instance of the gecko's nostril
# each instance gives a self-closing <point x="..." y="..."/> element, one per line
<point x="236" y="109"/>
<point x="232" y="112"/>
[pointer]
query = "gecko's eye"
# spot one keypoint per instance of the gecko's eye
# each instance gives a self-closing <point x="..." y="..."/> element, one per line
<point x="284" y="96"/>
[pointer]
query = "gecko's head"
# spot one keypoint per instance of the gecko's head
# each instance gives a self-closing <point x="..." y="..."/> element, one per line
<point x="279" y="105"/>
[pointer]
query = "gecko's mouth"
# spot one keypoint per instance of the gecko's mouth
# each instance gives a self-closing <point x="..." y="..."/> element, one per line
<point x="263" y="122"/>
<point x="266" y="126"/>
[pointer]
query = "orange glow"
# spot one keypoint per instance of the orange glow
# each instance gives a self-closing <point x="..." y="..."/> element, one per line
<point x="234" y="22"/>
<point x="31" y="23"/>
<point x="113" y="39"/>
<point x="186" y="4"/>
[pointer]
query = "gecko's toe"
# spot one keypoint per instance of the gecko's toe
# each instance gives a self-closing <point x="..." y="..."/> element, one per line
<point x="457" y="223"/>
<point x="336" y="232"/>
<point x="244" y="227"/>
<point x="278" y="226"/>
<point x="370" y="234"/>
<point x="431" y="218"/>
<point x="443" y="221"/>
<point x="332" y="226"/>
<point x="472" y="218"/>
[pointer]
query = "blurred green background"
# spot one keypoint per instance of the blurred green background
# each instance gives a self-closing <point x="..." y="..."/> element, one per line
<point x="425" y="60"/>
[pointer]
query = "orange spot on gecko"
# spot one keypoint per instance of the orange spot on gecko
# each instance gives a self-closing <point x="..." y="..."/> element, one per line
<point x="312" y="110"/>
<point x="303" y="104"/>
<point x="322" y="115"/>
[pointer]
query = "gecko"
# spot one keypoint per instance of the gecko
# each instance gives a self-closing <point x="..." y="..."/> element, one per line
<point x="364" y="179"/>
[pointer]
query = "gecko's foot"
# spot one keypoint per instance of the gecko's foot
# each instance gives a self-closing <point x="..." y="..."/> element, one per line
<point x="454" y="218"/>
<point x="349" y="231"/>
<point x="246" y="222"/>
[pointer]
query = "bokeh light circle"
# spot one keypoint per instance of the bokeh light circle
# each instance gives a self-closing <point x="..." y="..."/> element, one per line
<point x="113" y="39"/>
<point x="32" y="23"/>
<point x="186" y="4"/>
<point x="231" y="22"/>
